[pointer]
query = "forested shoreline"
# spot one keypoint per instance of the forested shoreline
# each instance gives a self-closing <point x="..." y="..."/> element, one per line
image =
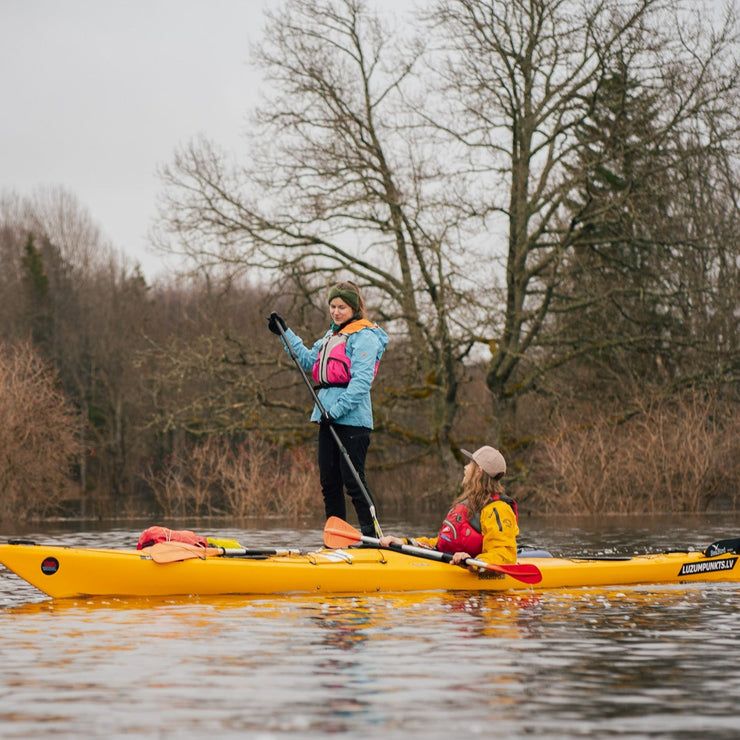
<point x="553" y="252"/>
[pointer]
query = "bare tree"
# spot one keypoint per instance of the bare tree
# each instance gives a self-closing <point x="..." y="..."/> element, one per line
<point x="524" y="81"/>
<point x="346" y="181"/>
<point x="84" y="309"/>
<point x="37" y="436"/>
<point x="463" y="178"/>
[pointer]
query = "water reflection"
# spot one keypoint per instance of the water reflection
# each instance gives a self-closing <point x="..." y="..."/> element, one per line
<point x="643" y="662"/>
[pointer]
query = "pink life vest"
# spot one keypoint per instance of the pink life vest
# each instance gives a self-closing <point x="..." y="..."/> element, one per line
<point x="332" y="367"/>
<point x="153" y="535"/>
<point x="460" y="533"/>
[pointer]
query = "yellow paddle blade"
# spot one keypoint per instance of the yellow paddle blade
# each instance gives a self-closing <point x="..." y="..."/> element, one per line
<point x="224" y="542"/>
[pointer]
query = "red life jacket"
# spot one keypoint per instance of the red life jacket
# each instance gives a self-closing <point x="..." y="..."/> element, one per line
<point x="460" y="533"/>
<point x="163" y="534"/>
<point x="332" y="368"/>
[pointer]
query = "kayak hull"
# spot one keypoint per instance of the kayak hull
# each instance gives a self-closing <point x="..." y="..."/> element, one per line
<point x="67" y="572"/>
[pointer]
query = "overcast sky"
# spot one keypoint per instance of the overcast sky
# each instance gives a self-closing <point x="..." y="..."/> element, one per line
<point x="95" y="94"/>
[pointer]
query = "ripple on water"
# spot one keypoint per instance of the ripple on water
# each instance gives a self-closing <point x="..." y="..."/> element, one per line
<point x="636" y="663"/>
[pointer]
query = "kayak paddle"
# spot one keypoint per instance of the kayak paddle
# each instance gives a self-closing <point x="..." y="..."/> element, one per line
<point x="338" y="533"/>
<point x="174" y="552"/>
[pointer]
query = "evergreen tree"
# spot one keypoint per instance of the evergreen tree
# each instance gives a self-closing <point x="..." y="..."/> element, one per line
<point x="36" y="284"/>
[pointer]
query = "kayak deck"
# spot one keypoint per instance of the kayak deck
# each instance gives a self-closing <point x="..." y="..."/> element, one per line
<point x="65" y="572"/>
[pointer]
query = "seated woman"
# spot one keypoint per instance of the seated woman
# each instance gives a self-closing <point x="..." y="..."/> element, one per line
<point x="483" y="521"/>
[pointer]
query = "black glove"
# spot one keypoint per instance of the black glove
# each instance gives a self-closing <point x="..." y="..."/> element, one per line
<point x="274" y="322"/>
<point x="326" y="418"/>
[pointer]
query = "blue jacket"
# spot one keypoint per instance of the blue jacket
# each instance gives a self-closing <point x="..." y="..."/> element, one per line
<point x="350" y="405"/>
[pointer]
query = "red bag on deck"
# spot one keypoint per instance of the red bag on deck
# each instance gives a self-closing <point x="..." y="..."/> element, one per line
<point x="162" y="534"/>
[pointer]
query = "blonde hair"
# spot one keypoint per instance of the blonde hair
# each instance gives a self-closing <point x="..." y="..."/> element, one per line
<point x="477" y="488"/>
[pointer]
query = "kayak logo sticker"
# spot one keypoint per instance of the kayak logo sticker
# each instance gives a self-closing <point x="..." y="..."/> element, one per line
<point x="49" y="566"/>
<point x="707" y="566"/>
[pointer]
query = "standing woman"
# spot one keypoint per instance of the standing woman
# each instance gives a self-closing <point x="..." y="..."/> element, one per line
<point x="343" y="364"/>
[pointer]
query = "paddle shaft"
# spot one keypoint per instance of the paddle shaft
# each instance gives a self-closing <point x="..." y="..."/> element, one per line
<point x="174" y="552"/>
<point x="244" y="552"/>
<point x="446" y="557"/>
<point x="342" y="448"/>
<point x="337" y="533"/>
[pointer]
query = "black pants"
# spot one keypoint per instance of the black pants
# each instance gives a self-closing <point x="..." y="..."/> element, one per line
<point x="335" y="473"/>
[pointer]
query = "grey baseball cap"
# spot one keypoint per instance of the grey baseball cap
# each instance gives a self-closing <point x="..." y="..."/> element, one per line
<point x="488" y="458"/>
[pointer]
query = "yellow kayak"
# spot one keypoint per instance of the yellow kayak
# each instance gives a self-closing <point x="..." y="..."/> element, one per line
<point x="64" y="572"/>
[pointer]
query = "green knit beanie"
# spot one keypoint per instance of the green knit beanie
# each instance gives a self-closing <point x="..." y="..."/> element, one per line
<point x="349" y="296"/>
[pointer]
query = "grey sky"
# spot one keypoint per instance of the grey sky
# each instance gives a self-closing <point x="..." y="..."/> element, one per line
<point x="95" y="94"/>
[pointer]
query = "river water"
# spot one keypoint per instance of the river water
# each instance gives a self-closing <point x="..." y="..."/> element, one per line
<point x="638" y="662"/>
